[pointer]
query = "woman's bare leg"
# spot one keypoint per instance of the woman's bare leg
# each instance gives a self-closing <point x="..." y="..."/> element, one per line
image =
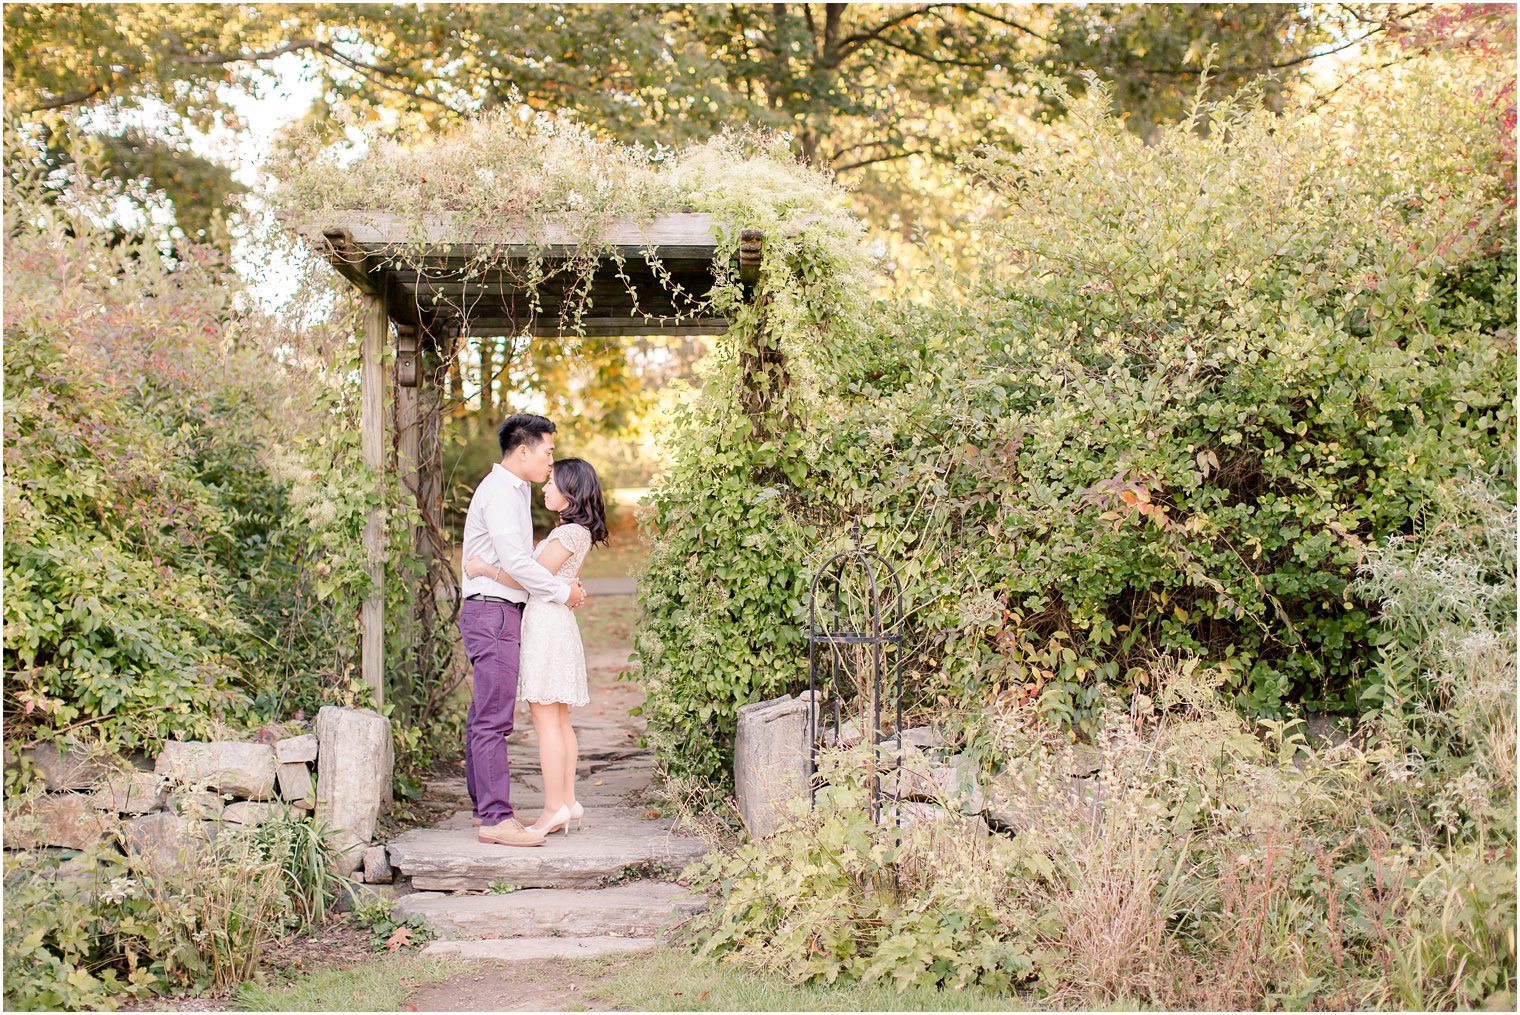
<point x="551" y="757"/>
<point x="571" y="755"/>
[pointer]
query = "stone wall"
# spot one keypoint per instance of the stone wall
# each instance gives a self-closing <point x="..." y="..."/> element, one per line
<point x="338" y="770"/>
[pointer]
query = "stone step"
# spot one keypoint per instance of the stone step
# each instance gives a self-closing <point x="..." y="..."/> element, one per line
<point x="615" y="844"/>
<point x="539" y="947"/>
<point x="640" y="909"/>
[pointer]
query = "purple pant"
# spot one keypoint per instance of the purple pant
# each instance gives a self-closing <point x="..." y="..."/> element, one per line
<point x="492" y="634"/>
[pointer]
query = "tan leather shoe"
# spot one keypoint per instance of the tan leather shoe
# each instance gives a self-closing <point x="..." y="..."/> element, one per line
<point x="509" y="833"/>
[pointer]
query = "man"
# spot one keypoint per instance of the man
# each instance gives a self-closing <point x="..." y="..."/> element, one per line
<point x="499" y="529"/>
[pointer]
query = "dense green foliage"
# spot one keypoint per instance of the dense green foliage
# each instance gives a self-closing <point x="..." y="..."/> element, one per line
<point x="1213" y="862"/>
<point x="184" y="498"/>
<point x="145" y="545"/>
<point x="1207" y="373"/>
<point x="104" y="926"/>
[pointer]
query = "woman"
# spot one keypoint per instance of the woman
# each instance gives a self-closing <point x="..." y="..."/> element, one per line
<point x="553" y="666"/>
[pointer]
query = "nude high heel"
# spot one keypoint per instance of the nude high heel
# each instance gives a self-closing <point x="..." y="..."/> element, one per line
<point x="577" y="812"/>
<point x="560" y="820"/>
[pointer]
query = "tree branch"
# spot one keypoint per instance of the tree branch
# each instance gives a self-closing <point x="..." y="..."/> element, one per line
<point x="880" y="158"/>
<point x="1007" y="22"/>
<point x="855" y="40"/>
<point x="937" y="60"/>
<point x="60" y="101"/>
<point x="221" y="59"/>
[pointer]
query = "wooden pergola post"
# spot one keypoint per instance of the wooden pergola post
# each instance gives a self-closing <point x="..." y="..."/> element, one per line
<point x="371" y="443"/>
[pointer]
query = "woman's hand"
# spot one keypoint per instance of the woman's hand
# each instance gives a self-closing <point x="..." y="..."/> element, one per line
<point x="475" y="567"/>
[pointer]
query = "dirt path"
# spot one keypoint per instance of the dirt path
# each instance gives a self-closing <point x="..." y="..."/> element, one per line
<point x="507" y="986"/>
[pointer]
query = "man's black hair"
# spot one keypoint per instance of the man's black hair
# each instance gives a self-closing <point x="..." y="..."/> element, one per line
<point x="522" y="428"/>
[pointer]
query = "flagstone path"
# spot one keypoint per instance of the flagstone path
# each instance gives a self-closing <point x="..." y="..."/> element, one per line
<point x="605" y="887"/>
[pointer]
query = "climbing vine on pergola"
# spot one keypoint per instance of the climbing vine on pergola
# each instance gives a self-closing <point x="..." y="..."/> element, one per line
<point x="537" y="231"/>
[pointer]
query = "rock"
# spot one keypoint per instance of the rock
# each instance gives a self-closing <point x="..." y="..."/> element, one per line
<point x="772" y="766"/>
<point x="923" y="738"/>
<point x="1017" y="801"/>
<point x="354" y="777"/>
<point x="637" y="909"/>
<point x="203" y="806"/>
<point x="68" y="820"/>
<point x="247" y="812"/>
<point x="167" y="841"/>
<point x="848" y="734"/>
<point x="915" y="813"/>
<point x="377" y="867"/>
<point x="245" y="770"/>
<point x="350" y="895"/>
<point x="130" y="793"/>
<point x="1085" y="761"/>
<point x="294" y="749"/>
<point x="70" y="769"/>
<point x="1324" y="731"/>
<point x="540" y="949"/>
<point x="954" y="783"/>
<point x="295" y="782"/>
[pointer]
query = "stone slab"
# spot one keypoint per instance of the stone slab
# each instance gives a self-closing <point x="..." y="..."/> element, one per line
<point x="67" y="820"/>
<point x="205" y="805"/>
<point x="130" y="793"/>
<point x="377" y="867"/>
<point x="167" y="841"/>
<point x="296" y="749"/>
<point x="539" y="948"/>
<point x="613" y="840"/>
<point x="63" y="769"/>
<point x="353" y="778"/>
<point x="242" y="769"/>
<point x="249" y="812"/>
<point x="638" y="909"/>
<point x="771" y="761"/>
<point x="295" y="782"/>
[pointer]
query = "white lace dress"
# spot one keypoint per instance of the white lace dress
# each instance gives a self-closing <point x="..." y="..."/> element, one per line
<point x="552" y="667"/>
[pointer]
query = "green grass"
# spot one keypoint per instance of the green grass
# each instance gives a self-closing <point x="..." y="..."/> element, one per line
<point x="382" y="984"/>
<point x="669" y="979"/>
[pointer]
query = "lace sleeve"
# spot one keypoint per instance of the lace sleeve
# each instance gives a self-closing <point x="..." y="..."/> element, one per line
<point x="575" y="538"/>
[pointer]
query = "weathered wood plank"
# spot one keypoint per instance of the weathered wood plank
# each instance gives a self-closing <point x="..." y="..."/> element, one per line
<point x="371" y="445"/>
<point x="595" y="326"/>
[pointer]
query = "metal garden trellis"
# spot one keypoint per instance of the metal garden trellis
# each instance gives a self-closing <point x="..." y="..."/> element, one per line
<point x="872" y="646"/>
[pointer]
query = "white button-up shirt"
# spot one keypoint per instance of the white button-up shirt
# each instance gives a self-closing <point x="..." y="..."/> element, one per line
<point x="499" y="530"/>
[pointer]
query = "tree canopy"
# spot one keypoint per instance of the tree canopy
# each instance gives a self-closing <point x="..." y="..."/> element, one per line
<point x="889" y="94"/>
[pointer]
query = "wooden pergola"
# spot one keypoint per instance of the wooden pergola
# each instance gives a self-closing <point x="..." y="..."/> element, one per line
<point x="426" y="288"/>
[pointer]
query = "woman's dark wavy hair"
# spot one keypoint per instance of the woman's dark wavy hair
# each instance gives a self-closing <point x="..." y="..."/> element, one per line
<point x="577" y="480"/>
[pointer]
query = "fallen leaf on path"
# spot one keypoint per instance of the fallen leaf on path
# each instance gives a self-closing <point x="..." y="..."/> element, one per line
<point x="651" y="814"/>
<point x="598" y="782"/>
<point x="400" y="938"/>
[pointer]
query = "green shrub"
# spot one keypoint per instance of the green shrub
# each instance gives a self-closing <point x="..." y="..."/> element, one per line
<point x="1200" y="378"/>
<point x="184" y="498"/>
<point x="111" y="926"/>
<point x="836" y="897"/>
<point x="1213" y="862"/>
